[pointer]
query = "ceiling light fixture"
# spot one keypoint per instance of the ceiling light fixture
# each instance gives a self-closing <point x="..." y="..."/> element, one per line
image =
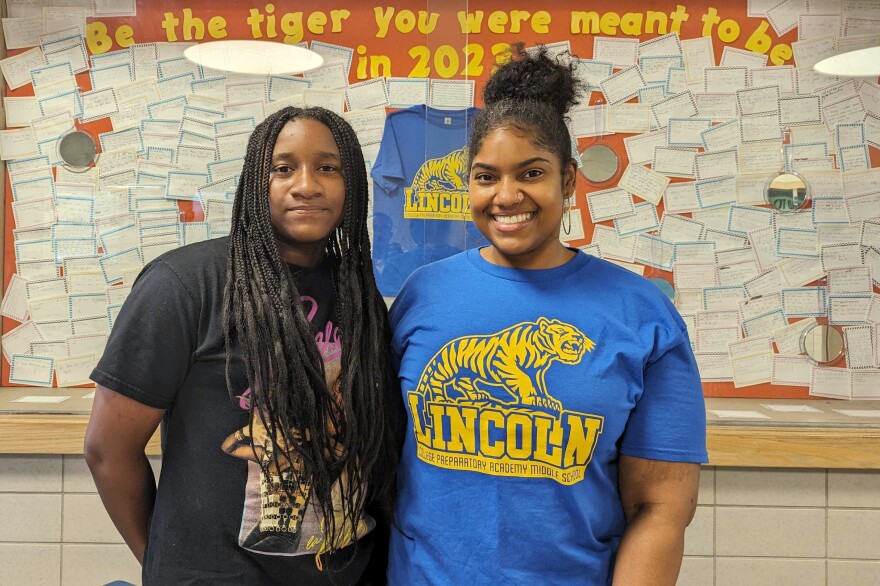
<point x="860" y="63"/>
<point x="253" y="57"/>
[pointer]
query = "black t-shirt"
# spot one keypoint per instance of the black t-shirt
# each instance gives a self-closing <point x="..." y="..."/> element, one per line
<point x="218" y="518"/>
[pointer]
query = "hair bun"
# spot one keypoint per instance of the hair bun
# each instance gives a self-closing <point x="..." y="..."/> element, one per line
<point x="534" y="76"/>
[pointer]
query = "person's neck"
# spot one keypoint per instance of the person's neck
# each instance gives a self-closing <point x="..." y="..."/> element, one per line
<point x="302" y="256"/>
<point x="531" y="260"/>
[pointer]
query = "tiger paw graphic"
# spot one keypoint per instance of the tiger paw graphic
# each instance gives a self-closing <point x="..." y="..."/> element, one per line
<point x="547" y="402"/>
<point x="480" y="399"/>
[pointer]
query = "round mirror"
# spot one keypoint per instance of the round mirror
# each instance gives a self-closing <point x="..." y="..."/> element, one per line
<point x="822" y="343"/>
<point x="77" y="150"/>
<point x="786" y="192"/>
<point x="599" y="163"/>
<point x="664" y="286"/>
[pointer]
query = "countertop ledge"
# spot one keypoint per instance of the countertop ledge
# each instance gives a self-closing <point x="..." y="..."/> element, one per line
<point x="762" y="433"/>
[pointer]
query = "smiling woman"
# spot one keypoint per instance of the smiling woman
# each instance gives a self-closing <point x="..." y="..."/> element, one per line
<point x="557" y="418"/>
<point x="521" y="167"/>
<point x="517" y="193"/>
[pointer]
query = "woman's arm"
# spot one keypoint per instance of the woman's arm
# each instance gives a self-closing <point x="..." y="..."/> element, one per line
<point x="118" y="432"/>
<point x="659" y="500"/>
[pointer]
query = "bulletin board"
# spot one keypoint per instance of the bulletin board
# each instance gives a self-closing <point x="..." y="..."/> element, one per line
<point x="685" y="205"/>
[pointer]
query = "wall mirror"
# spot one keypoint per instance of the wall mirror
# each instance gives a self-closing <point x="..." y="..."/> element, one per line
<point x="77" y="150"/>
<point x="823" y="344"/>
<point x="599" y="163"/>
<point x="787" y="192"/>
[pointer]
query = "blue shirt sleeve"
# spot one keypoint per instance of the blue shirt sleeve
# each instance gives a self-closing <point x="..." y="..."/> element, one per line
<point x="400" y="318"/>
<point x="387" y="170"/>
<point x="669" y="420"/>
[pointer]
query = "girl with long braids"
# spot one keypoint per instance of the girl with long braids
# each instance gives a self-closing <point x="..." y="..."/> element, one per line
<point x="556" y="417"/>
<point x="265" y="355"/>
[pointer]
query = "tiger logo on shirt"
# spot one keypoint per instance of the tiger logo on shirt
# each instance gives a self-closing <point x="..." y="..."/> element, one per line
<point x="482" y="404"/>
<point x="514" y="359"/>
<point x="443" y="172"/>
<point x="439" y="189"/>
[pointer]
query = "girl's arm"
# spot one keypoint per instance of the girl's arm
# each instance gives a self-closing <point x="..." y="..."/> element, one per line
<point x="659" y="500"/>
<point x="118" y="432"/>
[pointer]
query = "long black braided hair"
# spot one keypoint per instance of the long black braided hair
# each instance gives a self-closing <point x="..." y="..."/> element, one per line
<point x="346" y="437"/>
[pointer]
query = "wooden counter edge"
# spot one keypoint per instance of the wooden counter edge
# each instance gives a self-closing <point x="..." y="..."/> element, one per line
<point x="49" y="434"/>
<point x="729" y="446"/>
<point x="793" y="447"/>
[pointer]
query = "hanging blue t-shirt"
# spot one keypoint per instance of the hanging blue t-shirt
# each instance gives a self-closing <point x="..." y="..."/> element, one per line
<point x="523" y="388"/>
<point x="420" y="195"/>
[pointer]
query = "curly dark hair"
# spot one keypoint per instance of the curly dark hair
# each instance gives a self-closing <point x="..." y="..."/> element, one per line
<point x="349" y="437"/>
<point x="532" y="93"/>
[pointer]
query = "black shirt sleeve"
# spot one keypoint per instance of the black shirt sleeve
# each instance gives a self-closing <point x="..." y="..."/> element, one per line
<point x="151" y="346"/>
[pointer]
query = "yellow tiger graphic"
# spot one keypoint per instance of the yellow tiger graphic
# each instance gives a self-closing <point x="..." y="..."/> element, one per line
<point x="515" y="360"/>
<point x="443" y="173"/>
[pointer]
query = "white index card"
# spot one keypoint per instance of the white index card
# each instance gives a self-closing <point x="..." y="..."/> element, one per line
<point x="404" y="92"/>
<point x="331" y="76"/>
<point x="644" y="183"/>
<point x="15" y="300"/>
<point x="609" y="204"/>
<point x="680" y="105"/>
<point x="17" y="69"/>
<point x="366" y="94"/>
<point x="758" y="100"/>
<point x="19" y="33"/>
<point x="32" y="370"/>
<point x="452" y="93"/>
<point x="698" y="55"/>
<point x="725" y="79"/>
<point x="831" y="383"/>
<point x="733" y="57"/>
<point x="74" y="370"/>
<point x="623" y="85"/>
<point x="619" y="52"/>
<point x="98" y="104"/>
<point x="791" y="370"/>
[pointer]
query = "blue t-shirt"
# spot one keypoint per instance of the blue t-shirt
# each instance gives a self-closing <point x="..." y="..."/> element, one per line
<point x="523" y="388"/>
<point x="420" y="196"/>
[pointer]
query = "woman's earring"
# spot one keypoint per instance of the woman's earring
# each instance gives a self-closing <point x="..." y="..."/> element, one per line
<point x="567" y="216"/>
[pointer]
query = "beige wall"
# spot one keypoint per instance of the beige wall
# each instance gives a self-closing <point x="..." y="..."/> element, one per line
<point x="754" y="527"/>
<point x="53" y="528"/>
<point x="770" y="527"/>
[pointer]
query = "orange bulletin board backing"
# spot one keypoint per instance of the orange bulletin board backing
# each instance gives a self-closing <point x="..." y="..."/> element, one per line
<point x="441" y="40"/>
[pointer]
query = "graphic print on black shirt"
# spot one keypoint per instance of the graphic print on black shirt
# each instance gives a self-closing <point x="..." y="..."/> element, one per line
<point x="167" y="350"/>
<point x="271" y="523"/>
